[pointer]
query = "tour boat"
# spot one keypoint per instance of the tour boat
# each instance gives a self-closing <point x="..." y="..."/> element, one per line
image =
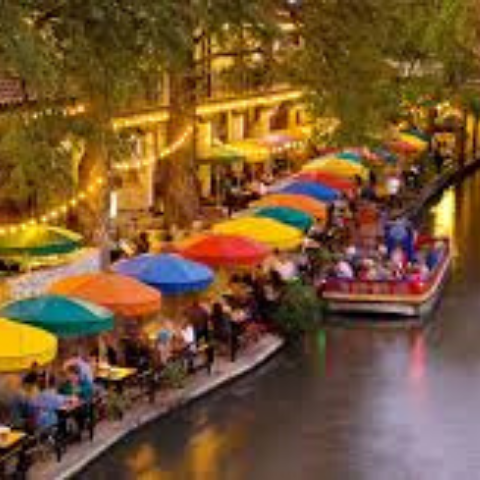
<point x="401" y="298"/>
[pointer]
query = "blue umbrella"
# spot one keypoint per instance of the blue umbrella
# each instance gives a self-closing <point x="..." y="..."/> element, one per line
<point x="171" y="274"/>
<point x="311" y="189"/>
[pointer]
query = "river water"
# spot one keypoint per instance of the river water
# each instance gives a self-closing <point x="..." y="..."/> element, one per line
<point x="355" y="404"/>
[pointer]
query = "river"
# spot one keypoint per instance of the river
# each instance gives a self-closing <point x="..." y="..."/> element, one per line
<point x="352" y="403"/>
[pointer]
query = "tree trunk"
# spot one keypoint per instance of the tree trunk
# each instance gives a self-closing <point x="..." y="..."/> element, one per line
<point x="475" y="137"/>
<point x="176" y="174"/>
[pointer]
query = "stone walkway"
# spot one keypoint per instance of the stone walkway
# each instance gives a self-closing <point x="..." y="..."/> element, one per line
<point x="109" y="432"/>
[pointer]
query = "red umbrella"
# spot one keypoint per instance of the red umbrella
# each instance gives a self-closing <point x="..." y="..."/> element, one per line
<point x="342" y="184"/>
<point x="226" y="251"/>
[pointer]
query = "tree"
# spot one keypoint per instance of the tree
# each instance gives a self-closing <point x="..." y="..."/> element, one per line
<point x="102" y="52"/>
<point x="363" y="57"/>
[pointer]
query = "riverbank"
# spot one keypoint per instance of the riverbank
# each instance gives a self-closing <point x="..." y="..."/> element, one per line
<point x="108" y="433"/>
<point x="430" y="192"/>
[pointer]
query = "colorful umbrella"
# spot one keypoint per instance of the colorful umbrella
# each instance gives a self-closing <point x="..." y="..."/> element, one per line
<point x="226" y="251"/>
<point x="385" y="155"/>
<point x="169" y="273"/>
<point x="22" y="346"/>
<point x="403" y="147"/>
<point x="222" y="154"/>
<point x="288" y="216"/>
<point x="414" y="140"/>
<point x="337" y="166"/>
<point x="64" y="317"/>
<point x="317" y="191"/>
<point x="342" y="184"/>
<point x="120" y="294"/>
<point x="274" y="234"/>
<point x="300" y="202"/>
<point x="40" y="240"/>
<point x="251" y="149"/>
<point x="418" y="133"/>
<point x="350" y="156"/>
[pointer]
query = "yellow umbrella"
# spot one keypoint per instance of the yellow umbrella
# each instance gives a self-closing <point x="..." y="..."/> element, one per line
<point x="264" y="230"/>
<point x="337" y="166"/>
<point x="21" y="346"/>
<point x="251" y="150"/>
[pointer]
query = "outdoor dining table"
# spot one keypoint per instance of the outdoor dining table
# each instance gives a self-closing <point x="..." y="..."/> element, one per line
<point x="115" y="376"/>
<point x="10" y="441"/>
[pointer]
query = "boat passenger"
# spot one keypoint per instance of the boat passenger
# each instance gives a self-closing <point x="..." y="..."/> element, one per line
<point x="344" y="270"/>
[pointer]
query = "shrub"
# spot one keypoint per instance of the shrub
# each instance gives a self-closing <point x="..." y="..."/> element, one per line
<point x="298" y="311"/>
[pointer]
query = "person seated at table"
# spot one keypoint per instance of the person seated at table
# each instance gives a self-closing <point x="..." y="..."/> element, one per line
<point x="164" y="340"/>
<point x="23" y="408"/>
<point x="47" y="402"/>
<point x="77" y="385"/>
<point x="199" y="316"/>
<point x="137" y="353"/>
<point x="224" y="328"/>
<point x="83" y="364"/>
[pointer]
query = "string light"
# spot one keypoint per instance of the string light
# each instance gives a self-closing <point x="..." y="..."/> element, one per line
<point x="156" y="117"/>
<point x="167" y="152"/>
<point x="56" y="212"/>
<point x="162" y="115"/>
<point x="262" y="101"/>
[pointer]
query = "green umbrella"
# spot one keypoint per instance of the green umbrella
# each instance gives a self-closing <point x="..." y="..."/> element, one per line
<point x="223" y="154"/>
<point x="288" y="216"/>
<point x="63" y="316"/>
<point x="39" y="241"/>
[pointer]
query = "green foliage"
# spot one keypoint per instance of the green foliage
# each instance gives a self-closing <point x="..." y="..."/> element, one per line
<point x="298" y="311"/>
<point x="174" y="375"/>
<point x="363" y="57"/>
<point x="104" y="53"/>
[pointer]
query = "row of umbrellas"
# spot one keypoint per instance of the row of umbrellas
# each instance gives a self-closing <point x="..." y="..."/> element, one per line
<point x="87" y="304"/>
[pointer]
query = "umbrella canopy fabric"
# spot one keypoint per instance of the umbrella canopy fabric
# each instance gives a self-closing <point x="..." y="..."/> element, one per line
<point x="385" y="155"/>
<point x="64" y="317"/>
<point x="39" y="241"/>
<point x="122" y="295"/>
<point x="337" y="166"/>
<point x="274" y="234"/>
<point x="306" y="204"/>
<point x="226" y="251"/>
<point x="251" y="149"/>
<point x="171" y="274"/>
<point x="312" y="189"/>
<point x="288" y="216"/>
<point x="222" y="154"/>
<point x="414" y="140"/>
<point x="403" y="147"/>
<point x="350" y="156"/>
<point x="22" y="346"/>
<point x="418" y="133"/>
<point x="342" y="184"/>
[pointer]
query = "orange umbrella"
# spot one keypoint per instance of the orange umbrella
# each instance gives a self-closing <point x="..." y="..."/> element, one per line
<point x="299" y="202"/>
<point x="125" y="296"/>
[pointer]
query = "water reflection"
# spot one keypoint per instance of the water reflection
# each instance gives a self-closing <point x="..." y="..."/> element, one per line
<point x="351" y="404"/>
<point x="444" y="217"/>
